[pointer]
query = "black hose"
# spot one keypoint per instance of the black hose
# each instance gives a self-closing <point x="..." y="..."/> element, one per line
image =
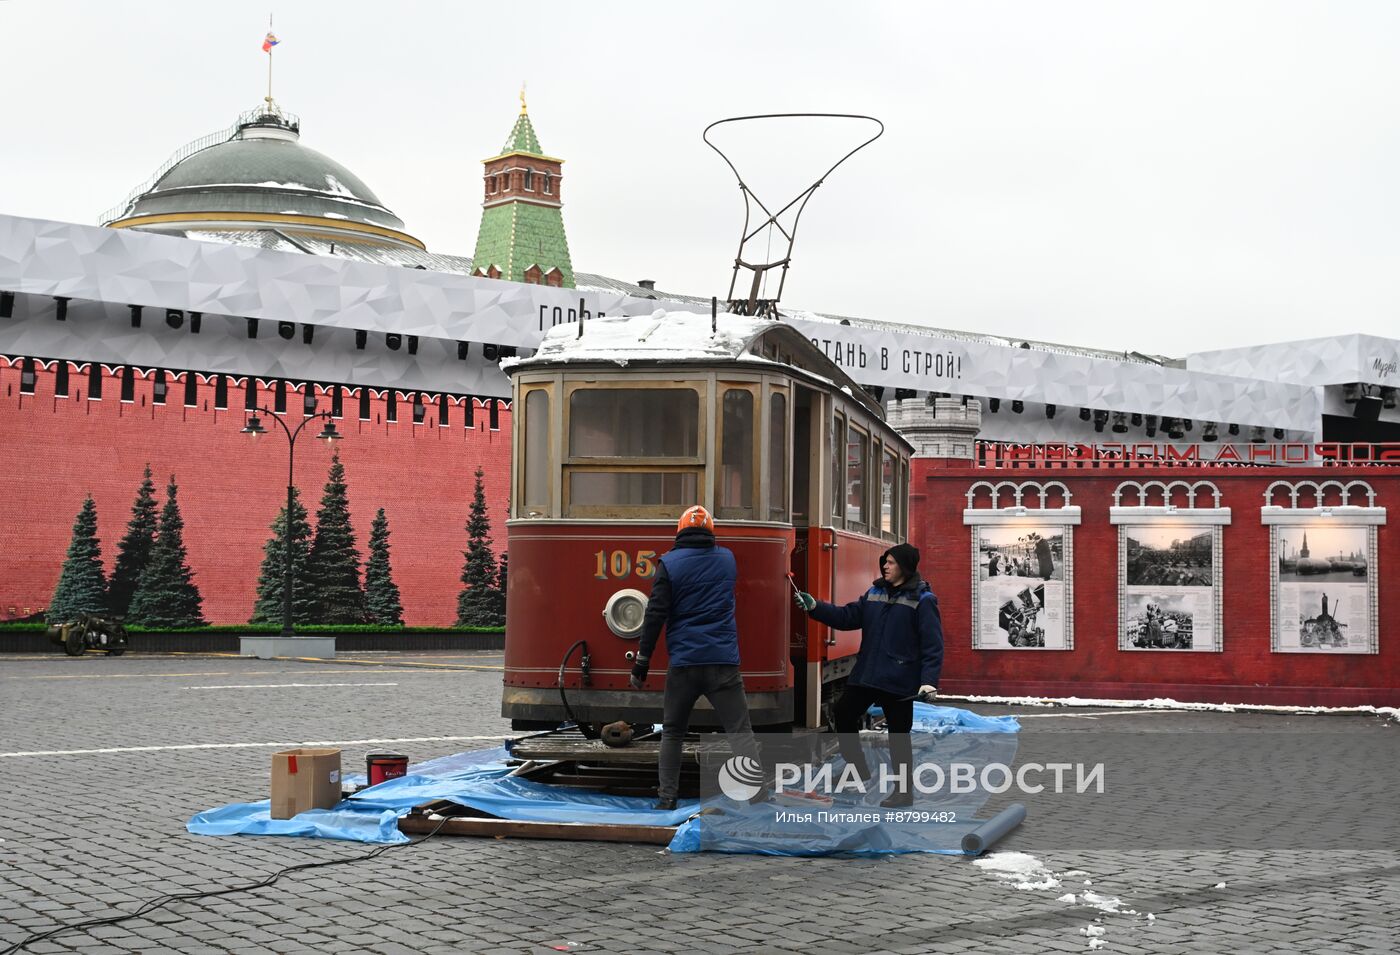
<point x="165" y="900"/>
<point x="586" y="728"/>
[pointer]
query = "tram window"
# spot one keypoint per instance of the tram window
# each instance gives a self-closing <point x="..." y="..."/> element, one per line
<point x="838" y="429"/>
<point x="888" y="476"/>
<point x="803" y="463"/>
<point x="736" y="472"/>
<point x="593" y="489"/>
<point x="634" y="423"/>
<point x="777" y="457"/>
<point x="537" y="453"/>
<point x="856" y="457"/>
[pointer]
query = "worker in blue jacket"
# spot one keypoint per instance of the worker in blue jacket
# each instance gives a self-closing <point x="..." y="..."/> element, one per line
<point x="901" y="655"/>
<point x="692" y="596"/>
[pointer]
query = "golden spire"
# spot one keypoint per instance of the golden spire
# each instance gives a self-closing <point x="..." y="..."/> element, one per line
<point x="522" y="99"/>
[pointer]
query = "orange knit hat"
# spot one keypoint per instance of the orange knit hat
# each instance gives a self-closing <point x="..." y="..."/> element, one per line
<point x="696" y="516"/>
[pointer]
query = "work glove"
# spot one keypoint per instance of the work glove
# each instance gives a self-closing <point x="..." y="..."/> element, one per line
<point x="805" y="600"/>
<point x="640" y="667"/>
<point x="927" y="694"/>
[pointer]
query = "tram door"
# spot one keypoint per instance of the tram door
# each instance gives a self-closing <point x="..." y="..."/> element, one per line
<point x="806" y="521"/>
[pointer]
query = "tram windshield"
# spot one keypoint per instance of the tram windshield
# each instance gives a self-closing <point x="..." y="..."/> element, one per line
<point x="634" y="423"/>
<point x="632" y="451"/>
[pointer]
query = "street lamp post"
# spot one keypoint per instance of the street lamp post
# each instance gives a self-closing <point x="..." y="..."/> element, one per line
<point x="328" y="434"/>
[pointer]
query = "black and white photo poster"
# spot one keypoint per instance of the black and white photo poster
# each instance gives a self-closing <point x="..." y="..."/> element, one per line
<point x="1324" y="588"/>
<point x="1020" y="587"/>
<point x="1169" y="587"/>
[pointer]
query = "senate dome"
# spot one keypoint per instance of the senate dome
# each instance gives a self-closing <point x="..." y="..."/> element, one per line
<point x="256" y="177"/>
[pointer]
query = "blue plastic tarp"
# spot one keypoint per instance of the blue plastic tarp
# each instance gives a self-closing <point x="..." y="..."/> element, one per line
<point x="480" y="780"/>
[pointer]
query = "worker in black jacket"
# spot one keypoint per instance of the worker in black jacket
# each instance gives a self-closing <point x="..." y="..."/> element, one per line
<point x="692" y="596"/>
<point x="901" y="655"/>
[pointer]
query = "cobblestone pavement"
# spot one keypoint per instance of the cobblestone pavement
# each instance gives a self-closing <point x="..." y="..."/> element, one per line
<point x="91" y="833"/>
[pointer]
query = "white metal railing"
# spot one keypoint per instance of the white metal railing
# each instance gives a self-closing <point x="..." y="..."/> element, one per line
<point x="189" y="149"/>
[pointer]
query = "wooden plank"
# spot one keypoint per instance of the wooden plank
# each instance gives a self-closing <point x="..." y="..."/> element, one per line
<point x="415" y="824"/>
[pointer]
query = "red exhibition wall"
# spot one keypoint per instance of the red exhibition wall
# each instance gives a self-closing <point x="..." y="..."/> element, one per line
<point x="57" y="450"/>
<point x="1246" y="670"/>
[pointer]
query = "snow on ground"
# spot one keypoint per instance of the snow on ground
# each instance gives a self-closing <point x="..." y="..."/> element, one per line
<point x="1162" y="703"/>
<point x="1025" y="871"/>
<point x="1022" y="868"/>
<point x="1105" y="903"/>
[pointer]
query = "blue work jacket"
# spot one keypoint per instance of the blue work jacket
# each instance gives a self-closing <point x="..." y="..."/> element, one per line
<point x="901" y="641"/>
<point x="692" y="596"/>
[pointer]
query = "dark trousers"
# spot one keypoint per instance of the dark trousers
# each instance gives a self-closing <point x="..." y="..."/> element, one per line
<point x="722" y="685"/>
<point x="899" y="718"/>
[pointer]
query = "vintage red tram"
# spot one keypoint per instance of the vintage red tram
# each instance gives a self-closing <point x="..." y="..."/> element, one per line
<point x="619" y="425"/>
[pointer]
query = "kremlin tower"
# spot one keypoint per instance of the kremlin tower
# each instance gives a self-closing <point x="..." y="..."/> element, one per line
<point x="522" y="225"/>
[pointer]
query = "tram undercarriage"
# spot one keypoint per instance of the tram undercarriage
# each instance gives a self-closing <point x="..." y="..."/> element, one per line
<point x="536" y="708"/>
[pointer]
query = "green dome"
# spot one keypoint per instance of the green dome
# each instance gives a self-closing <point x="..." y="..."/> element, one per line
<point x="260" y="170"/>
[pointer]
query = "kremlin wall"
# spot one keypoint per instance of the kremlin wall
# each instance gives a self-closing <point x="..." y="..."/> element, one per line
<point x="231" y="485"/>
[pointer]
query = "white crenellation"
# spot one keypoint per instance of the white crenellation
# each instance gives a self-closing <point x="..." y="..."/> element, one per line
<point x="937" y="427"/>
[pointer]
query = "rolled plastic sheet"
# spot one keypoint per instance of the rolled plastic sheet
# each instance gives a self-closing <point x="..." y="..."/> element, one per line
<point x="992" y="831"/>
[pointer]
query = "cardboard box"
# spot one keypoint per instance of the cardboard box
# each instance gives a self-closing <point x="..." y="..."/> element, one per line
<point x="303" y="779"/>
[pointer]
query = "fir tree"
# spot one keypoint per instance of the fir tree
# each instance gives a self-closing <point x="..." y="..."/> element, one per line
<point x="82" y="586"/>
<point x="166" y="595"/>
<point x="480" y="604"/>
<point x="381" y="593"/>
<point x="268" y="606"/>
<point x="505" y="566"/>
<point x="335" y="564"/>
<point x="134" y="551"/>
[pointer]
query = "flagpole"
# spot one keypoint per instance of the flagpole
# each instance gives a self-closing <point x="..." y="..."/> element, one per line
<point x="269" y="62"/>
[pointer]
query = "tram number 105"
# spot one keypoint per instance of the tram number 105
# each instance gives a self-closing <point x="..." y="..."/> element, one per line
<point x="620" y="564"/>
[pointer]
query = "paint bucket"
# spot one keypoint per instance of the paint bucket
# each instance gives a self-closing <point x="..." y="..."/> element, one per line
<point x="382" y="766"/>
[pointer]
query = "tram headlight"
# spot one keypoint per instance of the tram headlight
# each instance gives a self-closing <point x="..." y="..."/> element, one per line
<point x="624" y="613"/>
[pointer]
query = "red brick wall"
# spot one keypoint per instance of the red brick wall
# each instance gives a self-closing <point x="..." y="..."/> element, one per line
<point x="515" y="181"/>
<point x="57" y="450"/>
<point x="1245" y="672"/>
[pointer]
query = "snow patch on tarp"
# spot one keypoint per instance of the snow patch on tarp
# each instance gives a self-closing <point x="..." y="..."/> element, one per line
<point x="480" y="780"/>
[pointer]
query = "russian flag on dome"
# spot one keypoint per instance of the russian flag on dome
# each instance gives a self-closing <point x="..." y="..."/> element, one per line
<point x="270" y="41"/>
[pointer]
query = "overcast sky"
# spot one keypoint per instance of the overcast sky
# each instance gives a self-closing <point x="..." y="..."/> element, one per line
<point x="1163" y="176"/>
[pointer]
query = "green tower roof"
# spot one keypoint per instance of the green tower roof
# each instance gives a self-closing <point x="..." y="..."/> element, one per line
<point x="522" y="137"/>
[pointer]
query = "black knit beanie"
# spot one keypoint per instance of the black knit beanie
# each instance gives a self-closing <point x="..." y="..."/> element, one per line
<point x="905" y="555"/>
